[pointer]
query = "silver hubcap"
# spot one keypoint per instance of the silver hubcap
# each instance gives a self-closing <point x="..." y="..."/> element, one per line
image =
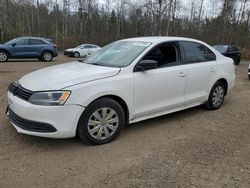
<point x="103" y="123"/>
<point x="76" y="54"/>
<point x="218" y="95"/>
<point x="47" y="56"/>
<point x="3" y="57"/>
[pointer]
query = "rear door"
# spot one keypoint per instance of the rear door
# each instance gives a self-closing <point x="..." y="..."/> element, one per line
<point x="200" y="63"/>
<point x="36" y="47"/>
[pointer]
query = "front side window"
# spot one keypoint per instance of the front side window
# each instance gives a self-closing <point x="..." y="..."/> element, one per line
<point x="165" y="54"/>
<point x="118" y="54"/>
<point x="196" y="52"/>
<point x="22" y="42"/>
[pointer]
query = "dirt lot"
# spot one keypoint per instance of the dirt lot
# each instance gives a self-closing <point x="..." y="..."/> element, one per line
<point x="192" y="148"/>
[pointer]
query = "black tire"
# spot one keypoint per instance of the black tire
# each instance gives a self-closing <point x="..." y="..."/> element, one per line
<point x="47" y="56"/>
<point x="4" y="56"/>
<point x="236" y="60"/>
<point x="210" y="104"/>
<point x="249" y="77"/>
<point x="98" y="105"/>
<point x="76" y="54"/>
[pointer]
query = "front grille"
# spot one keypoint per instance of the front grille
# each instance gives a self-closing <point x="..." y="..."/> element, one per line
<point x="29" y="125"/>
<point x="17" y="90"/>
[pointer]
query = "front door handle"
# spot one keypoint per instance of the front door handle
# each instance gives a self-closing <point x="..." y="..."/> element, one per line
<point x="182" y="74"/>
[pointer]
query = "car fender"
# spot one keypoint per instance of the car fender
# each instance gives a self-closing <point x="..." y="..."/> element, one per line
<point x="6" y="50"/>
<point x="85" y="93"/>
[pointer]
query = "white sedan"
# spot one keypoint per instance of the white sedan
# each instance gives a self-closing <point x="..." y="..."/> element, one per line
<point x="125" y="82"/>
<point x="83" y="50"/>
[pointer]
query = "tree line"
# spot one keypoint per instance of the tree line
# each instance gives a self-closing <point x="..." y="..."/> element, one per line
<point x="71" y="22"/>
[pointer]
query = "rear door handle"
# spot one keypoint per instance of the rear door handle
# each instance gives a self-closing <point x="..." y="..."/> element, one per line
<point x="182" y="74"/>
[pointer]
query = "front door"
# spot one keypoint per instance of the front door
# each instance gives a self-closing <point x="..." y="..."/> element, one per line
<point x="160" y="89"/>
<point x="20" y="48"/>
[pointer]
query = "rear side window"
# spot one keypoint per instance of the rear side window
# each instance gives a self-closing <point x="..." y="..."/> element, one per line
<point x="196" y="53"/>
<point x="36" y="42"/>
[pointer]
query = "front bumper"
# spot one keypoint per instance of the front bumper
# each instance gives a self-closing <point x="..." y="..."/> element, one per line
<point x="43" y="121"/>
<point x="68" y="53"/>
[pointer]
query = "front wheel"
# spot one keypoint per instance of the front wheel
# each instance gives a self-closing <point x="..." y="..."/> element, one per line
<point x="47" y="56"/>
<point x="216" y="96"/>
<point x="101" y="122"/>
<point x="3" y="56"/>
<point x="76" y="54"/>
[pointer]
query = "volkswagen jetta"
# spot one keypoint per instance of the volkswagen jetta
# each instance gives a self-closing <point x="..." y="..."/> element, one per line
<point x="125" y="82"/>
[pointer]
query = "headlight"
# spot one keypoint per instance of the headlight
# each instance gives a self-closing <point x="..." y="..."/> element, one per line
<point x="52" y="98"/>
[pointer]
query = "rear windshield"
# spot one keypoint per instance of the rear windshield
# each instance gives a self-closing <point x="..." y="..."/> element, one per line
<point x="221" y="48"/>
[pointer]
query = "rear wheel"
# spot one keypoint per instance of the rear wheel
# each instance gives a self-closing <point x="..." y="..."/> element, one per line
<point x="237" y="60"/>
<point x="216" y="96"/>
<point x="101" y="122"/>
<point x="3" y="56"/>
<point x="47" y="56"/>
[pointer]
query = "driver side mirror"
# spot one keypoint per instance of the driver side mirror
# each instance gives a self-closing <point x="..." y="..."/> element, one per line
<point x="13" y="44"/>
<point x="146" y="64"/>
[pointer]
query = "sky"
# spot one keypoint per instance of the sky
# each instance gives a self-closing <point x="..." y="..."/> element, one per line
<point x="211" y="7"/>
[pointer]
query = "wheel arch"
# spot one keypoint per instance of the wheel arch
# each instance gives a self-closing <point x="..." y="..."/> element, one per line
<point x="120" y="101"/>
<point x="47" y="50"/>
<point x="225" y="83"/>
<point x="2" y="49"/>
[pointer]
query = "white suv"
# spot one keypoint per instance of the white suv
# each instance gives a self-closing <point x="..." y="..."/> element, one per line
<point x="125" y="82"/>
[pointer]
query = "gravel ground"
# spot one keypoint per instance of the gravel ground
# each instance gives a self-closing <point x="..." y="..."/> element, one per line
<point x="191" y="148"/>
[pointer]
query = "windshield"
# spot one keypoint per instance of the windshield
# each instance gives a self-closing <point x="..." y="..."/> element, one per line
<point x="10" y="42"/>
<point x="118" y="54"/>
<point x="221" y="48"/>
<point x="79" y="46"/>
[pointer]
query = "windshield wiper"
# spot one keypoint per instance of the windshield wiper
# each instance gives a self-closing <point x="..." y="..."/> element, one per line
<point x="81" y="60"/>
<point x="98" y="64"/>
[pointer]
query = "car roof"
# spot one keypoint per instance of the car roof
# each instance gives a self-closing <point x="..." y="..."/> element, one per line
<point x="87" y="44"/>
<point x="161" y="39"/>
<point x="40" y="38"/>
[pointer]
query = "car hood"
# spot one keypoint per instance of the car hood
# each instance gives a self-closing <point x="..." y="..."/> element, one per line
<point x="65" y="75"/>
<point x="72" y="49"/>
